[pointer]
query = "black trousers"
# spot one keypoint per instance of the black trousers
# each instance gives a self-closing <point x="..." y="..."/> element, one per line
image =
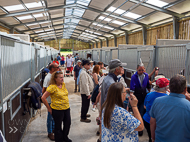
<point x="76" y="85"/>
<point x="85" y="105"/>
<point x="61" y="116"/>
<point x="147" y="126"/>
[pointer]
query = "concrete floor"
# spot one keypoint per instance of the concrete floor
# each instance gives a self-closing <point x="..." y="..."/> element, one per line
<point x="79" y="132"/>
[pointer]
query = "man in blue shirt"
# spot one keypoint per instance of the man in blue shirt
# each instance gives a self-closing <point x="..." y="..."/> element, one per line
<point x="170" y="115"/>
<point x="76" y="73"/>
<point x="139" y="84"/>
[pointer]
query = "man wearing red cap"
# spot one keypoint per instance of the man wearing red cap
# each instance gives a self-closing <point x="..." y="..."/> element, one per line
<point x="170" y="114"/>
<point x="160" y="90"/>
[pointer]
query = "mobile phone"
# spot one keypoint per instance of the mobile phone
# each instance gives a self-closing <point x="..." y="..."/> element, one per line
<point x="129" y="105"/>
<point x="156" y="68"/>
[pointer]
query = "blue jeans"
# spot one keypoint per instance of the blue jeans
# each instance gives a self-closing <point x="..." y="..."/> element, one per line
<point x="50" y="123"/>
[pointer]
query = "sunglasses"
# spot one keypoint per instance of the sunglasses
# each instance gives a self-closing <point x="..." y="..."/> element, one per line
<point x="58" y="71"/>
<point x="56" y="67"/>
<point x="140" y="70"/>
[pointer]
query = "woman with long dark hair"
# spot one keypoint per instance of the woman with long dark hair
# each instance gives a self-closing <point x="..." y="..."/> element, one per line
<point x="117" y="123"/>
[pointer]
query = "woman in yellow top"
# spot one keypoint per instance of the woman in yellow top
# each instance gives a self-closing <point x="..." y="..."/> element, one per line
<point x="59" y="107"/>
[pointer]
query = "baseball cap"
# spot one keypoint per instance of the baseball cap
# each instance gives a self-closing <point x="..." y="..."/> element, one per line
<point x="79" y="61"/>
<point x="91" y="61"/>
<point x="116" y="63"/>
<point x="156" y="78"/>
<point x="84" y="62"/>
<point x="162" y="82"/>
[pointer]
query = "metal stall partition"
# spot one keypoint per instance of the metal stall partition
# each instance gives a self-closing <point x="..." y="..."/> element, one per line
<point x="146" y="54"/>
<point x="128" y="54"/>
<point x="88" y="54"/>
<point x="187" y="64"/>
<point x="171" y="59"/>
<point x="15" y="73"/>
<point x="131" y="54"/>
<point x="103" y="56"/>
<point x="114" y="53"/>
<point x="80" y="54"/>
<point x="94" y="55"/>
<point x="84" y="54"/>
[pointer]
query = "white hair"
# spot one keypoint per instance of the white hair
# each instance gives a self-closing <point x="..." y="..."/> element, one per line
<point x="113" y="70"/>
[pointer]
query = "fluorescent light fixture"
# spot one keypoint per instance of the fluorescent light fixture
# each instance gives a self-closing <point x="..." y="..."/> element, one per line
<point x="38" y="15"/>
<point x="158" y="3"/>
<point x="44" y="22"/>
<point x="20" y="7"/>
<point x="132" y="15"/>
<point x="118" y="22"/>
<point x="100" y="25"/>
<point x="34" y="4"/>
<point x="32" y="24"/>
<point x="118" y="11"/>
<point x="14" y="7"/>
<point x="25" y="17"/>
<point x="41" y="34"/>
<point x="39" y="31"/>
<point x="97" y="33"/>
<point x="106" y="19"/>
<point x="108" y="27"/>
<point x="49" y="30"/>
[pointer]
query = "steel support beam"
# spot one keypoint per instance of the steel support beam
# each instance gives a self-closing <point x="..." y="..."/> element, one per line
<point x="115" y="41"/>
<point x="96" y="44"/>
<point x="176" y="27"/>
<point x="70" y="23"/>
<point x="12" y="30"/>
<point x="107" y="42"/>
<point x="78" y="6"/>
<point x="66" y="17"/>
<point x="126" y="38"/>
<point x="144" y="32"/>
<point x="70" y="29"/>
<point x="101" y="43"/>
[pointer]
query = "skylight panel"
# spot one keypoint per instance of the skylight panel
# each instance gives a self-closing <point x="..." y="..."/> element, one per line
<point x="106" y="19"/>
<point x="68" y="11"/>
<point x="25" y="17"/>
<point x="34" y="4"/>
<point x="118" y="11"/>
<point x="70" y="1"/>
<point x="158" y="3"/>
<point x="14" y="7"/>
<point x="78" y="12"/>
<point x="118" y="22"/>
<point x="75" y="20"/>
<point x="132" y="15"/>
<point x="67" y="20"/>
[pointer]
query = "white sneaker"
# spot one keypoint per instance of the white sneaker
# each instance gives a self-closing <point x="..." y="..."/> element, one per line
<point x="93" y="109"/>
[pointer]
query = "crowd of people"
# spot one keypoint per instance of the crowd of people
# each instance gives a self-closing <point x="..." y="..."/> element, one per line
<point x="152" y="101"/>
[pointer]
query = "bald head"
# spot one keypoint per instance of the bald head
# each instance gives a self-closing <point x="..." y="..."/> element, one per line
<point x="53" y="67"/>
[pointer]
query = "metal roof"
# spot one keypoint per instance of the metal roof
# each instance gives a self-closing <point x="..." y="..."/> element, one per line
<point x="88" y="20"/>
